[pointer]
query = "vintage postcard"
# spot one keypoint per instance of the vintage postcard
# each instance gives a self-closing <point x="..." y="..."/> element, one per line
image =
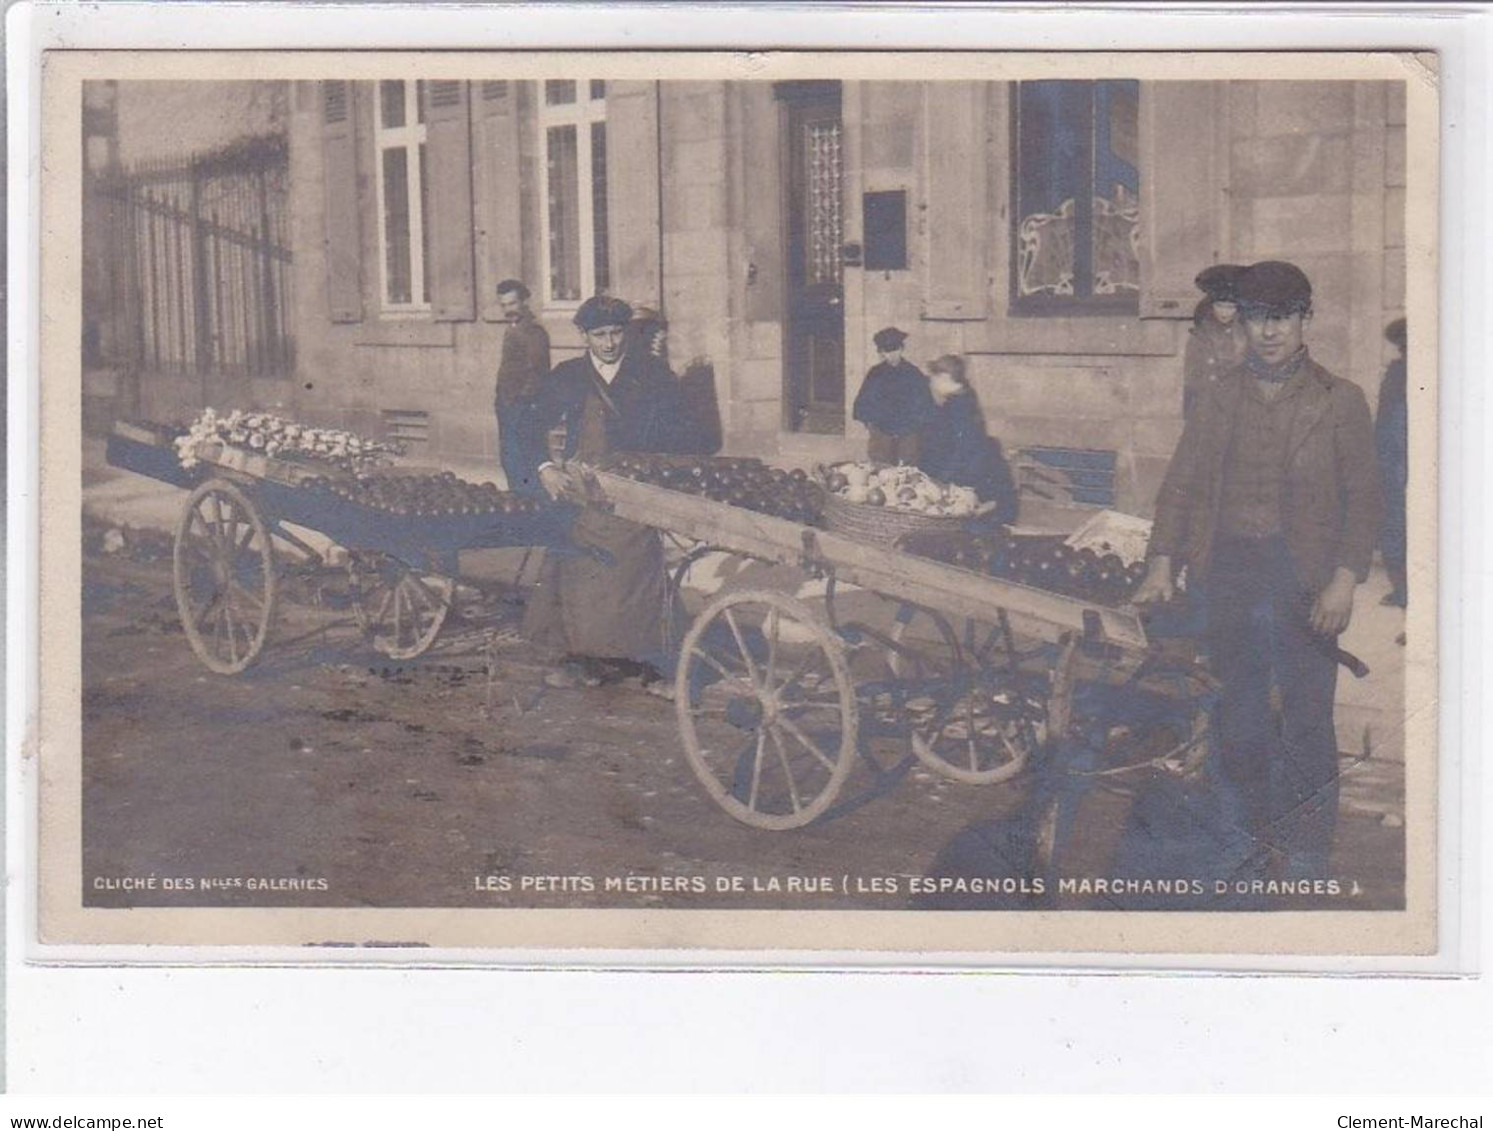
<point x="891" y="505"/>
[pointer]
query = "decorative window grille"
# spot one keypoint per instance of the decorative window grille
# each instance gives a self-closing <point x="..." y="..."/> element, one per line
<point x="1076" y="213"/>
<point x="403" y="194"/>
<point x="825" y="220"/>
<point x="573" y="197"/>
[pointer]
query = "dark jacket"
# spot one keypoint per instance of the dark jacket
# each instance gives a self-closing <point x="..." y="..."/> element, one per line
<point x="1392" y="427"/>
<point x="953" y="448"/>
<point x="1392" y="439"/>
<point x="1332" y="504"/>
<point x="1212" y="350"/>
<point x="524" y="363"/>
<point x="643" y="415"/>
<point x="893" y="399"/>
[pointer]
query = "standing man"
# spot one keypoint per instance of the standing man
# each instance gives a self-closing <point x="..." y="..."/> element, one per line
<point x="1392" y="435"/>
<point x="1272" y="503"/>
<point x="522" y="369"/>
<point x="603" y="608"/>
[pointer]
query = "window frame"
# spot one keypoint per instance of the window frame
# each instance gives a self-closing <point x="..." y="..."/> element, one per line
<point x="412" y="137"/>
<point x="1124" y="305"/>
<point x="583" y="114"/>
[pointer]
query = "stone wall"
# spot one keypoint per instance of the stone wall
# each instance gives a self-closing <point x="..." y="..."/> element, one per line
<point x="1311" y="172"/>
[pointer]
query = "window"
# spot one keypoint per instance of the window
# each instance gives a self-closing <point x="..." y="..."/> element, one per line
<point x="403" y="194"/>
<point x="573" y="200"/>
<point x="1076" y="211"/>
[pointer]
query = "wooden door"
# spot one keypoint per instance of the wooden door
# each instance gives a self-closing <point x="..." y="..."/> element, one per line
<point x="814" y="294"/>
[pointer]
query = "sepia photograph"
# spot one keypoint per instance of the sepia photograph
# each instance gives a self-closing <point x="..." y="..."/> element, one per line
<point x="965" y="503"/>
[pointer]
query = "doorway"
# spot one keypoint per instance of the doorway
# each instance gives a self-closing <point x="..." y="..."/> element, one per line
<point x="813" y="226"/>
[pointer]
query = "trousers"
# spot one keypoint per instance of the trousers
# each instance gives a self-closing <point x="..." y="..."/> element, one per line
<point x="516" y="447"/>
<point x="1278" y="756"/>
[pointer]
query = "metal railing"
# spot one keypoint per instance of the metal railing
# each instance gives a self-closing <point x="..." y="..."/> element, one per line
<point x="204" y="245"/>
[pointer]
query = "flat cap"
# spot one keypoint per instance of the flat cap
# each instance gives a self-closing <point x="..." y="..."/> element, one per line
<point x="1395" y="332"/>
<point x="1275" y="287"/>
<point x="602" y="310"/>
<point x="1220" y="282"/>
<point x="888" y="338"/>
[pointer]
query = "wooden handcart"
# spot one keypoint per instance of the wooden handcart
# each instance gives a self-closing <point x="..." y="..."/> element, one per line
<point x="235" y="544"/>
<point x="972" y="676"/>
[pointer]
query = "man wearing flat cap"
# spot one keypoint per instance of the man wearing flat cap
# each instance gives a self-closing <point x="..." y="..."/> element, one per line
<point x="1272" y="503"/>
<point x="602" y="608"/>
<point x="1216" y="342"/>
<point x="893" y="402"/>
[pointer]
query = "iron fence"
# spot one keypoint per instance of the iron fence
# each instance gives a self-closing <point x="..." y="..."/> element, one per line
<point x="205" y="248"/>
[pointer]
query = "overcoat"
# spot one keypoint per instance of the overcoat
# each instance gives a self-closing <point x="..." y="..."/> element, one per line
<point x="608" y="598"/>
<point x="953" y="447"/>
<point x="1392" y="436"/>
<point x="1331" y="504"/>
<point x="524" y="362"/>
<point x="893" y="403"/>
<point x="1213" y="349"/>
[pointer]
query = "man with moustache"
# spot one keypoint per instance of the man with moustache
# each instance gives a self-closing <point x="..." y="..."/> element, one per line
<point x="1272" y="503"/>
<point x="602" y="607"/>
<point x="524" y="364"/>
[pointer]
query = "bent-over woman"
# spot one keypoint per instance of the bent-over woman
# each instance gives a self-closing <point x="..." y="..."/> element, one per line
<point x="953" y="446"/>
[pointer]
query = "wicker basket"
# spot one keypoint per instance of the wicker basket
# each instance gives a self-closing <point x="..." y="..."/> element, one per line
<point x="882" y="526"/>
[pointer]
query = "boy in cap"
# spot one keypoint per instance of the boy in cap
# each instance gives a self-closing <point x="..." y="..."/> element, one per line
<point x="893" y="402"/>
<point x="1216" y="342"/>
<point x="1272" y="502"/>
<point x="603" y="607"/>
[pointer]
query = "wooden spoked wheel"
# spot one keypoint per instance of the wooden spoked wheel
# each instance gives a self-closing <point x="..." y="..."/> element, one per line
<point x="983" y="731"/>
<point x="223" y="574"/>
<point x="924" y="645"/>
<point x="767" y="709"/>
<point x="988" y="722"/>
<point x="400" y="610"/>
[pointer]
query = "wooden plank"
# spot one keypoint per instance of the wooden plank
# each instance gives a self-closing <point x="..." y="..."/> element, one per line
<point x="889" y="572"/>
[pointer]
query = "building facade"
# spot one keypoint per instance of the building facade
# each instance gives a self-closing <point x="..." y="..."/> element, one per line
<point x="1047" y="231"/>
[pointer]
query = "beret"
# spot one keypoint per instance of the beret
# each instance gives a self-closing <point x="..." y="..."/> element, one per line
<point x="602" y="310"/>
<point x="889" y="338"/>
<point x="1275" y="287"/>
<point x="1220" y="282"/>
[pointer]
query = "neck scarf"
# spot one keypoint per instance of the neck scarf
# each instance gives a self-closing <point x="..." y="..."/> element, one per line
<point x="1262" y="370"/>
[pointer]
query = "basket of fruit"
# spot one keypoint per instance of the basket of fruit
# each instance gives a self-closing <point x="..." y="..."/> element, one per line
<point x="882" y="505"/>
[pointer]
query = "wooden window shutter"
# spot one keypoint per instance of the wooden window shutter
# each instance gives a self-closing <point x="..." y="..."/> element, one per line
<point x="958" y="204"/>
<point x="1182" y="187"/>
<point x="342" y="235"/>
<point x="448" y="219"/>
<point x="632" y="189"/>
<point x="500" y="250"/>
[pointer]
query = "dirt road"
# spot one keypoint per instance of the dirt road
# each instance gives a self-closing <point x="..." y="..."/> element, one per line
<point x="328" y="776"/>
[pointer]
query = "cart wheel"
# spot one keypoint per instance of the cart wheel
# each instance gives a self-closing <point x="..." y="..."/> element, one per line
<point x="223" y="574"/>
<point x="1060" y="695"/>
<point x="925" y="646"/>
<point x="766" y="708"/>
<point x="400" y="610"/>
<point x="983" y="730"/>
<point x="984" y="724"/>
